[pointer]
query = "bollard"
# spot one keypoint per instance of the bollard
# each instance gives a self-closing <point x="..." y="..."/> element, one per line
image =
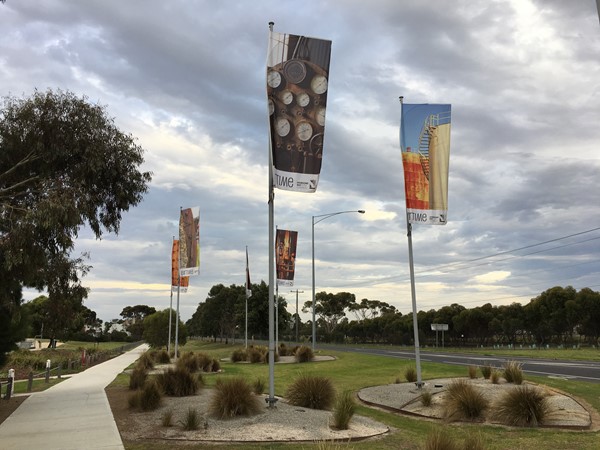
<point x="30" y="382"/>
<point x="48" y="371"/>
<point x="10" y="386"/>
<point x="58" y="370"/>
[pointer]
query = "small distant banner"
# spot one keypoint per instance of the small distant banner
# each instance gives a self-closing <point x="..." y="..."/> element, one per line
<point x="285" y="256"/>
<point x="425" y="144"/>
<point x="297" y="86"/>
<point x="248" y="285"/>
<point x="189" y="241"/>
<point x="185" y="281"/>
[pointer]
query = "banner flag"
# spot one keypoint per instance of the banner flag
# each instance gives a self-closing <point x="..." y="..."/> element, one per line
<point x="425" y="144"/>
<point x="248" y="285"/>
<point x="189" y="241"/>
<point x="297" y="86"/>
<point x="285" y="256"/>
<point x="185" y="281"/>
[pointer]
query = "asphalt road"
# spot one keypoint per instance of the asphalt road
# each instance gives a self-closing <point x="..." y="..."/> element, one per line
<point x="571" y="370"/>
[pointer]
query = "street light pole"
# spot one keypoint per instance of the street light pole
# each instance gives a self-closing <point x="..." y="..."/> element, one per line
<point x="297" y="316"/>
<point x="321" y="217"/>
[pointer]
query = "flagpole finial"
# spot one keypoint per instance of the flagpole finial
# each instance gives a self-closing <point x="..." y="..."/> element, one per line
<point x="401" y="98"/>
<point x="271" y="25"/>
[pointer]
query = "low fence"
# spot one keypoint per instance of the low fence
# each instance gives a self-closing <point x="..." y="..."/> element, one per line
<point x="72" y="366"/>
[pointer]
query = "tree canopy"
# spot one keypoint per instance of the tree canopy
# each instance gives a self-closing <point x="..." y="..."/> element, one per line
<point x="63" y="164"/>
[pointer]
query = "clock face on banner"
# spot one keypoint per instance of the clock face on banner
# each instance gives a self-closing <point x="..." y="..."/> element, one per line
<point x="297" y="88"/>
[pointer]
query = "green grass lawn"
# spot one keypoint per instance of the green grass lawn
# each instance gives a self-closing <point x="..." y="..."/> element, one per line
<point x="353" y="371"/>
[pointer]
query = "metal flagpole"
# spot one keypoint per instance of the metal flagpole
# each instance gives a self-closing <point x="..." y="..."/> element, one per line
<point x="171" y="308"/>
<point x="178" y="291"/>
<point x="271" y="400"/>
<point x="413" y="292"/>
<point x="247" y="287"/>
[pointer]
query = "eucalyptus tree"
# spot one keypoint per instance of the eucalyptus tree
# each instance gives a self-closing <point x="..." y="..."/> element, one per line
<point x="64" y="164"/>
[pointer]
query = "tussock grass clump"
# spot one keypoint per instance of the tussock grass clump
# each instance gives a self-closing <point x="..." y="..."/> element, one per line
<point x="188" y="361"/>
<point x="463" y="401"/>
<point x="179" y="382"/>
<point x="258" y="386"/>
<point x="513" y="372"/>
<point x="255" y="355"/>
<point x="472" y="372"/>
<point x="216" y="365"/>
<point x="474" y="442"/>
<point x="486" y="371"/>
<point x="343" y="411"/>
<point x="523" y="406"/>
<point x="151" y="396"/>
<point x="167" y="418"/>
<point x="426" y="398"/>
<point x="234" y="397"/>
<point x="438" y="440"/>
<point x="283" y="350"/>
<point x="191" y="420"/>
<point x="311" y="391"/>
<point x="145" y="361"/>
<point x="410" y="374"/>
<point x="162" y="357"/>
<point x="495" y="376"/>
<point x="133" y="401"/>
<point x="304" y="354"/>
<point x="238" y="355"/>
<point x="138" y="377"/>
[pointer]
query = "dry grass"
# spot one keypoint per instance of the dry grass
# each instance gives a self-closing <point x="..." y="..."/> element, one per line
<point x="343" y="410"/>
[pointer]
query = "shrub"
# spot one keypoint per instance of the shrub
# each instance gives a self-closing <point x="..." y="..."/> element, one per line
<point x="151" y="396"/>
<point x="191" y="421"/>
<point x="311" y="391"/>
<point x="216" y="365"/>
<point x="238" y="355"/>
<point x="410" y="374"/>
<point x="439" y="440"/>
<point x="472" y="372"/>
<point x="137" y="378"/>
<point x="258" y="386"/>
<point x="486" y="371"/>
<point x="167" y="418"/>
<point x="513" y="372"/>
<point x="179" y="382"/>
<point x="343" y="410"/>
<point x="304" y="354"/>
<point x="426" y="398"/>
<point x="205" y="362"/>
<point x="523" y="406"/>
<point x="233" y="397"/>
<point x="463" y="401"/>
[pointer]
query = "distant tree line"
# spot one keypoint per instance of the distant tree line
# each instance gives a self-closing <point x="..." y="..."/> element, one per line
<point x="558" y="316"/>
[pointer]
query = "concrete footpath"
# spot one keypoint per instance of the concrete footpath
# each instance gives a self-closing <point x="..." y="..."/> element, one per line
<point x="74" y="414"/>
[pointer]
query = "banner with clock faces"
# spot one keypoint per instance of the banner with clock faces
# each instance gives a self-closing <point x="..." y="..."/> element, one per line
<point x="297" y="82"/>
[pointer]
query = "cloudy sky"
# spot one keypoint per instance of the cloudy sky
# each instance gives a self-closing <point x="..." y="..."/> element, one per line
<point x="187" y="79"/>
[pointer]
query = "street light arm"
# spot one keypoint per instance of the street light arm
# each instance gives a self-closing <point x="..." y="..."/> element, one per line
<point x="327" y="216"/>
